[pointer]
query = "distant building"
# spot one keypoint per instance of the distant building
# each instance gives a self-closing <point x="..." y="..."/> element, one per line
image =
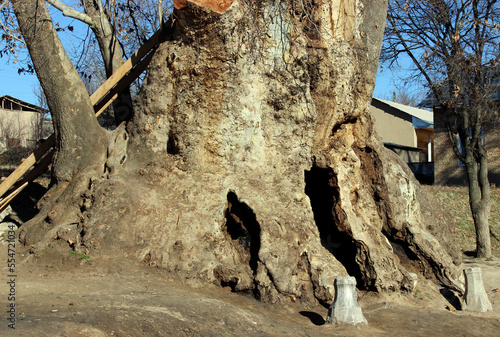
<point x="409" y="132"/>
<point x="448" y="169"/>
<point x="21" y="123"/>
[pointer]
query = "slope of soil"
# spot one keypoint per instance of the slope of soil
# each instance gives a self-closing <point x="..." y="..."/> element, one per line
<point x="60" y="293"/>
<point x="455" y="200"/>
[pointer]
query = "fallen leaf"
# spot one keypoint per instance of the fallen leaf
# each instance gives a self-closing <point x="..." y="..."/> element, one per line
<point x="451" y="308"/>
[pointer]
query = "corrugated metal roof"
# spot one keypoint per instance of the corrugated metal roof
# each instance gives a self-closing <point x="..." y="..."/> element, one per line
<point x="424" y="115"/>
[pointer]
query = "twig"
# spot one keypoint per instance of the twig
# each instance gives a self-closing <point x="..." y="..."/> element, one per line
<point x="494" y="235"/>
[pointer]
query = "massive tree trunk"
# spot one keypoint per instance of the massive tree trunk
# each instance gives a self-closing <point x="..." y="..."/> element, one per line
<point x="252" y="164"/>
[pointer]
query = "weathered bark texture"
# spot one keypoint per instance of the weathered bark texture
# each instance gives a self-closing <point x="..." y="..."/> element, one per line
<point x="80" y="142"/>
<point x="251" y="163"/>
<point x="77" y="132"/>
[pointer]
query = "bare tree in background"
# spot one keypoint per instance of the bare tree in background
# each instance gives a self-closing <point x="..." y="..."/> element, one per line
<point x="99" y="16"/>
<point x="403" y="96"/>
<point x="44" y="128"/>
<point x="453" y="45"/>
<point x="118" y="28"/>
<point x="11" y="41"/>
<point x="40" y="95"/>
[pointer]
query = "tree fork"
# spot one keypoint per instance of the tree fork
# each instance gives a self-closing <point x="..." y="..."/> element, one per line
<point x="209" y="180"/>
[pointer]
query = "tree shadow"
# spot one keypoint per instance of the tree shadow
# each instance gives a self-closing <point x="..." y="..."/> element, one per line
<point x="451" y="298"/>
<point x="315" y="318"/>
<point x="470" y="253"/>
<point x="24" y="205"/>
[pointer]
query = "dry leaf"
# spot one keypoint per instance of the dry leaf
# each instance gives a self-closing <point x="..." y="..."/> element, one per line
<point x="451" y="308"/>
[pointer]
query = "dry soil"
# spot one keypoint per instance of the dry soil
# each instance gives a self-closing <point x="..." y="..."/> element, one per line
<point x="63" y="294"/>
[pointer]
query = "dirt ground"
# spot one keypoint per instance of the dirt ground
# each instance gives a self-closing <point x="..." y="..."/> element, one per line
<point x="63" y="294"/>
<point x="59" y="293"/>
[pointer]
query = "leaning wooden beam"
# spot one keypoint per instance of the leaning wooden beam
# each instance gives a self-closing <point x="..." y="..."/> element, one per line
<point x="124" y="68"/>
<point x="30" y="176"/>
<point x="26" y="165"/>
<point x="38" y="168"/>
<point x="6" y="201"/>
<point x="113" y="93"/>
<point x="100" y="99"/>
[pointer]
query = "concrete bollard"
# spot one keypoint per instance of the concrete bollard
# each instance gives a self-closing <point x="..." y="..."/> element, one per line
<point x="475" y="296"/>
<point x="345" y="309"/>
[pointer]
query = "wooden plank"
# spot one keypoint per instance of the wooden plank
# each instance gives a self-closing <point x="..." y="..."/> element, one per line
<point x="26" y="164"/>
<point x="42" y="165"/>
<point x="124" y="68"/>
<point x="6" y="201"/>
<point x="37" y="169"/>
<point x="96" y="97"/>
<point x="123" y="84"/>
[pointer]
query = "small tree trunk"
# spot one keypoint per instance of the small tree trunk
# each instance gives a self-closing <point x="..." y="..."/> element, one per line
<point x="482" y="224"/>
<point x="81" y="143"/>
<point x="479" y="199"/>
<point x="112" y="56"/>
<point x="79" y="138"/>
<point x="483" y="242"/>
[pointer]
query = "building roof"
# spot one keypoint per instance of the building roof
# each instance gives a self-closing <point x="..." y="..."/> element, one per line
<point x="23" y="104"/>
<point x="423" y="115"/>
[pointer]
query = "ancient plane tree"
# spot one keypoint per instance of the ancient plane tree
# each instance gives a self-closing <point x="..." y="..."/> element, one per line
<point x="250" y="162"/>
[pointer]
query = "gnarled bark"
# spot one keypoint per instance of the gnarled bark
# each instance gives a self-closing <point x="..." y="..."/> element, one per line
<point x="251" y="163"/>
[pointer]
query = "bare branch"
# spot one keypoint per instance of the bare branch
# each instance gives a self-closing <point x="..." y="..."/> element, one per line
<point x="4" y="3"/>
<point x="11" y="33"/>
<point x="72" y="13"/>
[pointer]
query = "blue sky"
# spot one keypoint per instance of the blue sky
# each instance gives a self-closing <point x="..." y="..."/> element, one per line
<point x="23" y="86"/>
<point x="384" y="87"/>
<point x="15" y="85"/>
<point x="395" y="80"/>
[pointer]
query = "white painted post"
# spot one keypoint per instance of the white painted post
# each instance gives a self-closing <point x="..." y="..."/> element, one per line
<point x="345" y="309"/>
<point x="429" y="149"/>
<point x="475" y="295"/>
